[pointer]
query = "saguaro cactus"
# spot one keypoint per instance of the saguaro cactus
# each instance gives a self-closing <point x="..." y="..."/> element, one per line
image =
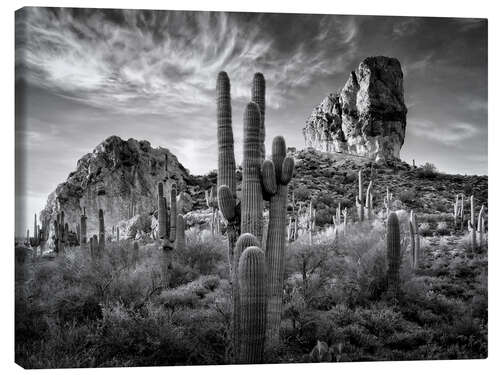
<point x="276" y="175"/>
<point x="359" y="198"/>
<point x="252" y="283"/>
<point x="369" y="200"/>
<point x="415" y="240"/>
<point x="393" y="254"/>
<point x="480" y="226"/>
<point x="311" y="222"/>
<point x="244" y="241"/>
<point x="83" y="227"/>
<point x="472" y="228"/>
<point x="180" y="237"/>
<point x="101" y="232"/>
<point x="173" y="213"/>
<point x="162" y="213"/>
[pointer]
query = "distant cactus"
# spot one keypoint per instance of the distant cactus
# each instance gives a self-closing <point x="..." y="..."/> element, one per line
<point x="173" y="213"/>
<point x="311" y="222"/>
<point x="369" y="200"/>
<point x="252" y="284"/>
<point x="359" y="198"/>
<point x="180" y="237"/>
<point x="472" y="228"/>
<point x="480" y="226"/>
<point x="393" y="254"/>
<point x="102" y="232"/>
<point x="83" y="227"/>
<point x="388" y="201"/>
<point x="117" y="234"/>
<point x="415" y="240"/>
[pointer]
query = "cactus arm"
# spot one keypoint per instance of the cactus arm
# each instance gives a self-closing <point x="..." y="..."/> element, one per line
<point x="251" y="197"/>
<point x="259" y="97"/>
<point x="226" y="164"/>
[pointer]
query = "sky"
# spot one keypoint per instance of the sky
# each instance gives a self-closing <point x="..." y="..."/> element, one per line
<point x="85" y="74"/>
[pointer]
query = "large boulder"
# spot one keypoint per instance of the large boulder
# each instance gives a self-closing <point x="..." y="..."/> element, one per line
<point x="367" y="117"/>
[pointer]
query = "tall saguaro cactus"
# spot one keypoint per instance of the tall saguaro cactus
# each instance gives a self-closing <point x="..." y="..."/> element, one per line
<point x="261" y="180"/>
<point x="415" y="240"/>
<point x="276" y="174"/>
<point x="252" y="284"/>
<point x="393" y="254"/>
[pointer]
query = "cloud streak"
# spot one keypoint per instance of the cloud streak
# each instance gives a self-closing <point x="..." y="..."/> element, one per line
<point x="156" y="62"/>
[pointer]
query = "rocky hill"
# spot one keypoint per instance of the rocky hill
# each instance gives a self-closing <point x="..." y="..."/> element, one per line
<point x="367" y="117"/>
<point x="120" y="177"/>
<point x="332" y="178"/>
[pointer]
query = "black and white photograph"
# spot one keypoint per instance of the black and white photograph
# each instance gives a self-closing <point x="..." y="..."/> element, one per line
<point x="222" y="187"/>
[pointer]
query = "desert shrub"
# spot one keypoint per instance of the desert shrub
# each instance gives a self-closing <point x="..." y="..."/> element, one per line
<point x="302" y="193"/>
<point x="428" y="170"/>
<point x="424" y="229"/>
<point x="468" y="189"/>
<point x="407" y="196"/>
<point x="442" y="228"/>
<point x="204" y="253"/>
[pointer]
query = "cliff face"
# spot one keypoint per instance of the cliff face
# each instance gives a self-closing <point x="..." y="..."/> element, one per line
<point x="120" y="177"/>
<point x="367" y="117"/>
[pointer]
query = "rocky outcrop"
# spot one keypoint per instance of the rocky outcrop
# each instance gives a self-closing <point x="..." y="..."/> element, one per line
<point x="120" y="177"/>
<point x="367" y="117"/>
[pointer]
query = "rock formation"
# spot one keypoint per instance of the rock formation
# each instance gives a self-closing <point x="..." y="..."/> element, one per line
<point x="118" y="176"/>
<point x="367" y="117"/>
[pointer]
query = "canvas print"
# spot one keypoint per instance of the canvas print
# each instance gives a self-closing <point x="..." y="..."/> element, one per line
<point x="210" y="188"/>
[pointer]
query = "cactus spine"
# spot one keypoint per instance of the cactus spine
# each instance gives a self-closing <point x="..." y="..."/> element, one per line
<point x="276" y="175"/>
<point x="252" y="283"/>
<point x="393" y="254"/>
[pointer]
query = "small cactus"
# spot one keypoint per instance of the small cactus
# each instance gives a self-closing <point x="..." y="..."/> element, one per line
<point x="180" y="237"/>
<point x="83" y="227"/>
<point x="102" y="232"/>
<point x="359" y="198"/>
<point x="393" y="254"/>
<point x="252" y="284"/>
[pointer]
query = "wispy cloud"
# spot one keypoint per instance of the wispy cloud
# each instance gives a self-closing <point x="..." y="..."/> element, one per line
<point x="448" y="134"/>
<point x="158" y="62"/>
